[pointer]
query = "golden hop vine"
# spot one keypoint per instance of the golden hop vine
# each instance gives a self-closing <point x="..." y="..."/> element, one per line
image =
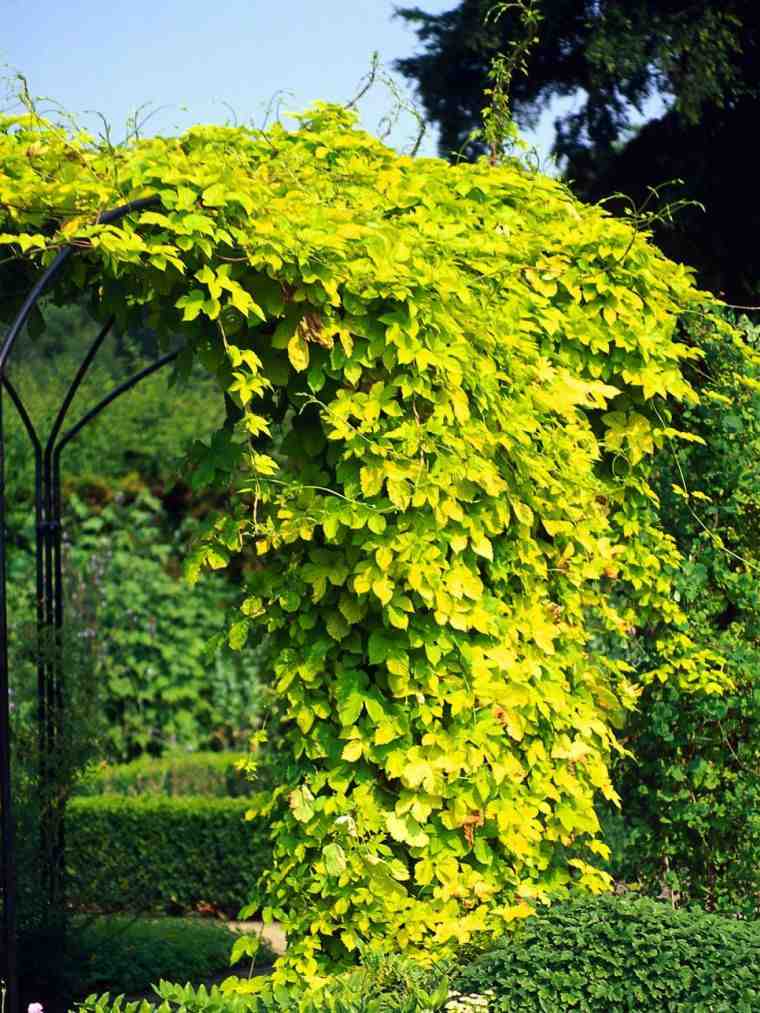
<point x="451" y="380"/>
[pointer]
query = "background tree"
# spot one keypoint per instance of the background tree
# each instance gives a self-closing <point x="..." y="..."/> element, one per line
<point x="701" y="59"/>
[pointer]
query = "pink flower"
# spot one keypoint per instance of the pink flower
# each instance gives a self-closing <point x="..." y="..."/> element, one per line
<point x="34" y="1007"/>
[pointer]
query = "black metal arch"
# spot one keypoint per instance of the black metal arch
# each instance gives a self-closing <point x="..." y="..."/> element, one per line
<point x="50" y="675"/>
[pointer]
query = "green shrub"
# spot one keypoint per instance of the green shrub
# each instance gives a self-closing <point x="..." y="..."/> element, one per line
<point x="612" y="953"/>
<point x="126" y="954"/>
<point x="157" y="854"/>
<point x="174" y="774"/>
<point x="162" y="687"/>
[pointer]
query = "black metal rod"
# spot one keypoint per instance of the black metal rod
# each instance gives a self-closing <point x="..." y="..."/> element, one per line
<point x="116" y="392"/>
<point x="18" y="404"/>
<point x="9" y="871"/>
<point x="30" y="302"/>
<point x="9" y="927"/>
<point x="52" y="485"/>
<point x="74" y="387"/>
<point x="42" y="675"/>
<point x="51" y="696"/>
<point x="39" y="288"/>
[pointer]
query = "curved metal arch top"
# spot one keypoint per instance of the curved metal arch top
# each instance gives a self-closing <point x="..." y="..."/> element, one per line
<point x="55" y="268"/>
<point x="50" y="675"/>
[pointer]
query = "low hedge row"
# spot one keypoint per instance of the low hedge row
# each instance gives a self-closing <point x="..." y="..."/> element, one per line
<point x="627" y="953"/>
<point x="152" y="853"/>
<point x="203" y="773"/>
<point x="593" y="955"/>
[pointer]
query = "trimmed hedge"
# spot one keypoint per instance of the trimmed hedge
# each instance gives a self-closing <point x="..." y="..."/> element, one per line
<point x="152" y="853"/>
<point x="204" y="773"/>
<point x="624" y="954"/>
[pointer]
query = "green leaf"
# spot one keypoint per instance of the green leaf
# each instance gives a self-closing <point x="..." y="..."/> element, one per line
<point x="334" y="858"/>
<point x="398" y="619"/>
<point x="193" y="303"/>
<point x="238" y="634"/>
<point x="350" y="709"/>
<point x="384" y="557"/>
<point x="383" y="588"/>
<point x="352" y="751"/>
<point x="244" y="946"/>
<point x="298" y="353"/>
<point x="300" y="801"/>
<point x="406" y="830"/>
<point x="337" y="626"/>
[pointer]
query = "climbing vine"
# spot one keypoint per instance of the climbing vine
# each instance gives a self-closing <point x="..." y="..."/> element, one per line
<point x="445" y="386"/>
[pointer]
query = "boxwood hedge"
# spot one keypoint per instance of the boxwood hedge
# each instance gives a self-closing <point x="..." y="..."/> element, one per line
<point x="201" y="773"/>
<point x="153" y="853"/>
<point x="623" y="954"/>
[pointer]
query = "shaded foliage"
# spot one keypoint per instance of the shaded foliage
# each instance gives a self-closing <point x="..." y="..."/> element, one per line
<point x="691" y="798"/>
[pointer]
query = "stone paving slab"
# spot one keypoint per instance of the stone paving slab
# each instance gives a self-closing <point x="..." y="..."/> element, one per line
<point x="272" y="933"/>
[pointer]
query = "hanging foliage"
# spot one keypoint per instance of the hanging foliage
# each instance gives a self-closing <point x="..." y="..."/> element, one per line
<point x="451" y="381"/>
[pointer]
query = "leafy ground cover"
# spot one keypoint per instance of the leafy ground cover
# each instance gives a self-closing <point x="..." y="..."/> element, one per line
<point x="624" y="954"/>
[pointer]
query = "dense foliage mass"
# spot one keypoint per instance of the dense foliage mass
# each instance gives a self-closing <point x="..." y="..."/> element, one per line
<point x="691" y="797"/>
<point x="450" y="382"/>
<point x="692" y="71"/>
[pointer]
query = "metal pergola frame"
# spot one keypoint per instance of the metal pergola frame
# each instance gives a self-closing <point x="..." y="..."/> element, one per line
<point x="50" y="617"/>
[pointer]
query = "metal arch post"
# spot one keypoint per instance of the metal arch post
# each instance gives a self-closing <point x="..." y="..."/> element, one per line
<point x="53" y="828"/>
<point x="6" y="802"/>
<point x="51" y="687"/>
<point x="49" y="579"/>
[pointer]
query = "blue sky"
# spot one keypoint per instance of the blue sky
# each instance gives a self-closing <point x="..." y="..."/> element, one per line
<point x="202" y="61"/>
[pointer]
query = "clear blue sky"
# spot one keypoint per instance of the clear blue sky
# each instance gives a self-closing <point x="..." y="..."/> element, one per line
<point x="210" y="57"/>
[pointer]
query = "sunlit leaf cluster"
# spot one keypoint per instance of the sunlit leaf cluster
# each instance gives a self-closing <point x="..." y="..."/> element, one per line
<point x="451" y="381"/>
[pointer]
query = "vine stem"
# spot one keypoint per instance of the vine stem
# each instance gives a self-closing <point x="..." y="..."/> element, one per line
<point x="716" y="539"/>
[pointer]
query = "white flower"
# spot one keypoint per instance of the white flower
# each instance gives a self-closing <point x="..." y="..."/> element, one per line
<point x="460" y="1003"/>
